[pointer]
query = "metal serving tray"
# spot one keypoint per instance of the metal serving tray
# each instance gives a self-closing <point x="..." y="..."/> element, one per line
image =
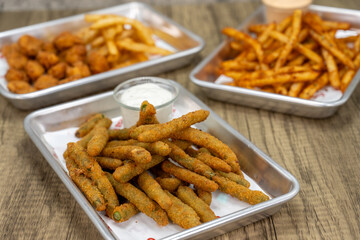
<point x="204" y="75"/>
<point x="51" y="128"/>
<point x="168" y="34"/>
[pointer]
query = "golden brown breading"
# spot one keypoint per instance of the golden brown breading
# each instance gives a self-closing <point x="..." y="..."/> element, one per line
<point x="97" y="62"/>
<point x="34" y="69"/>
<point x="47" y="59"/>
<point x="16" y="75"/>
<point x="49" y="47"/>
<point x="45" y="81"/>
<point x="58" y="71"/>
<point x="75" y="54"/>
<point x="66" y="40"/>
<point x="30" y="45"/>
<point x="79" y="69"/>
<point x="16" y="60"/>
<point x="20" y="87"/>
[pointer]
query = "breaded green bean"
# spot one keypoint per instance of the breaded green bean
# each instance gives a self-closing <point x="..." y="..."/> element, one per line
<point x="109" y="163"/>
<point x="170" y="184"/>
<point x="213" y="162"/>
<point x="98" y="141"/>
<point x="204" y="195"/>
<point x="239" y="191"/>
<point x="154" y="190"/>
<point x="137" y="154"/>
<point x="188" y="196"/>
<point x="193" y="164"/>
<point x="239" y="179"/>
<point x="199" y="181"/>
<point x="83" y="142"/>
<point x="182" y="143"/>
<point x="124" y="212"/>
<point x="140" y="200"/>
<point x="119" y="134"/>
<point x="85" y="184"/>
<point x="130" y="169"/>
<point x="87" y="126"/>
<point x="181" y="214"/>
<point x="93" y="169"/>
<point x="147" y="114"/>
<point x="156" y="148"/>
<point x="136" y="131"/>
<point x="164" y="130"/>
<point x="158" y="172"/>
<point x="210" y="142"/>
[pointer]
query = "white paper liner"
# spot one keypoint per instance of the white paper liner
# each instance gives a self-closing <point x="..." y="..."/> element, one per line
<point x="141" y="226"/>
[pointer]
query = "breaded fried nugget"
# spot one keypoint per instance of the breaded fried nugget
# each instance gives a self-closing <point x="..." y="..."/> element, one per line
<point x="8" y="49"/>
<point x="188" y="196"/>
<point x="20" y="87"/>
<point x="66" y="40"/>
<point x="97" y="62"/>
<point x="16" y="60"/>
<point x="181" y="214"/>
<point x="30" y="45"/>
<point x="49" y="47"/>
<point x="164" y="130"/>
<point x="47" y="59"/>
<point x="58" y="71"/>
<point x="34" y="69"/>
<point x="79" y="69"/>
<point x="75" y="54"/>
<point x="45" y="81"/>
<point x="16" y="75"/>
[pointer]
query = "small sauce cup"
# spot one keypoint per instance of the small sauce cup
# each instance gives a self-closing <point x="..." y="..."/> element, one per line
<point x="131" y="93"/>
<point x="277" y="10"/>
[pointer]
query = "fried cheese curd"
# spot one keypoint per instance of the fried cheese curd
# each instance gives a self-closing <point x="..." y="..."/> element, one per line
<point x="30" y="45"/>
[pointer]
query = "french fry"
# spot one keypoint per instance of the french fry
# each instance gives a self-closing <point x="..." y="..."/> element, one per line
<point x="346" y="79"/>
<point x="311" y="89"/>
<point x="332" y="69"/>
<point x="130" y="45"/>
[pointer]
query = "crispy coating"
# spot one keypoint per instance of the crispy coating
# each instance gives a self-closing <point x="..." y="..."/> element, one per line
<point x="47" y="59"/>
<point x="213" y="162"/>
<point x="152" y="188"/>
<point x="204" y="195"/>
<point x="90" y="191"/>
<point x="164" y="130"/>
<point x="199" y="181"/>
<point x="193" y="164"/>
<point x="97" y="62"/>
<point x="239" y="191"/>
<point x="181" y="214"/>
<point x="124" y="212"/>
<point x="210" y="142"/>
<point x="16" y="60"/>
<point x="109" y="163"/>
<point x="20" y="87"/>
<point x="34" y="69"/>
<point x="140" y="200"/>
<point x="69" y="79"/>
<point x="135" y="153"/>
<point x="76" y="53"/>
<point x="87" y="126"/>
<point x="30" y="45"/>
<point x="157" y="171"/>
<point x="103" y="122"/>
<point x="58" y="70"/>
<point x="156" y="148"/>
<point x="147" y="114"/>
<point x="98" y="141"/>
<point x="171" y="184"/>
<point x="89" y="165"/>
<point x="238" y="178"/>
<point x="136" y="131"/>
<point x="203" y="210"/>
<point x="14" y="74"/>
<point x="66" y="40"/>
<point x="45" y="81"/>
<point x="8" y="49"/>
<point x="49" y="47"/>
<point x="79" y="69"/>
<point x="119" y="134"/>
<point x="129" y="170"/>
<point x="182" y="143"/>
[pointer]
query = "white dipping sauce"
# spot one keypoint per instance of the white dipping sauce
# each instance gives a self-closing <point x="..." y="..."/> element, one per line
<point x="150" y="92"/>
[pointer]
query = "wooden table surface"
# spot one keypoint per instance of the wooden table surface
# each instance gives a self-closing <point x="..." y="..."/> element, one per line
<point x="324" y="155"/>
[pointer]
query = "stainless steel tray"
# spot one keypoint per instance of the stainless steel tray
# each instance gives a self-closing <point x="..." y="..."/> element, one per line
<point x="168" y="34"/>
<point x="51" y="128"/>
<point x="204" y="75"/>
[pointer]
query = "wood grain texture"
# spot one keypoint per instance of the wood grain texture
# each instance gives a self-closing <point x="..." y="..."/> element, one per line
<point x="322" y="154"/>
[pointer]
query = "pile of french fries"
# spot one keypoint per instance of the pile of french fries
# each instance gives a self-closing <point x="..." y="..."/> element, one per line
<point x="123" y="41"/>
<point x="295" y="57"/>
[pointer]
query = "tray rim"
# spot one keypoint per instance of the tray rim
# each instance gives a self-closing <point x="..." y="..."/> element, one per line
<point x="111" y="73"/>
<point x="273" y="96"/>
<point x="96" y="219"/>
